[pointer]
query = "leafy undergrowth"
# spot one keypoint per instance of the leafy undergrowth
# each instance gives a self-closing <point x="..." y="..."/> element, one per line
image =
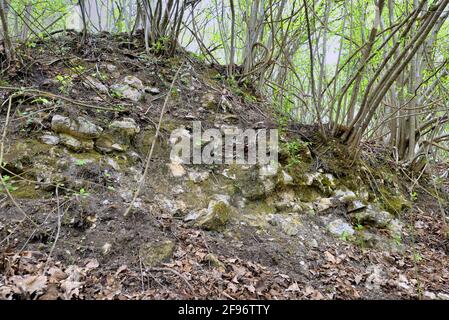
<point x="335" y="270"/>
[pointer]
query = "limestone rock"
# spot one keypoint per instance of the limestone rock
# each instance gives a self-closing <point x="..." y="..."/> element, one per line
<point x="307" y="208"/>
<point x="79" y="127"/>
<point x="395" y="228"/>
<point x="376" y="277"/>
<point x="50" y="139"/>
<point x="197" y="176"/>
<point x="133" y="82"/>
<point x="152" y="90"/>
<point x="373" y="217"/>
<point x="368" y="239"/>
<point x="151" y="254"/>
<point x="286" y="200"/>
<point x="249" y="183"/>
<point x="222" y="197"/>
<point x="324" y="203"/>
<point x="323" y="182"/>
<point x="356" y="205"/>
<point x="216" y="217"/>
<point x="114" y="165"/>
<point x="311" y="177"/>
<point x="269" y="185"/>
<point x="106" y="143"/>
<point x="143" y="141"/>
<point x="228" y="174"/>
<point x="339" y="228"/>
<point x="287" y="224"/>
<point x="127" y="92"/>
<point x="443" y="296"/>
<point x="106" y="248"/>
<point x="126" y="195"/>
<point x="194" y="215"/>
<point x="287" y="180"/>
<point x="91" y="81"/>
<point x="255" y="183"/>
<point x="111" y="67"/>
<point x="76" y="144"/>
<point x="125" y="127"/>
<point x="344" y="195"/>
<point x="118" y="136"/>
<point x="177" y="170"/>
<point x="269" y="170"/>
<point x="174" y="207"/>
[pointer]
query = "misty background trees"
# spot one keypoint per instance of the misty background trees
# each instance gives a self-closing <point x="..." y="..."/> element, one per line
<point x="359" y="69"/>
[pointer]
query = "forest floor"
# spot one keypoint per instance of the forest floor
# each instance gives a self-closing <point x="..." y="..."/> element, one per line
<point x="63" y="233"/>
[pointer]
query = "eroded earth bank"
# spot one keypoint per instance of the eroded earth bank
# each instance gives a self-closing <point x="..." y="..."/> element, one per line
<point x="324" y="224"/>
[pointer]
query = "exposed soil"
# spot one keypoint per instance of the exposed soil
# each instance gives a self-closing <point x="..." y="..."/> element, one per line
<point x="96" y="252"/>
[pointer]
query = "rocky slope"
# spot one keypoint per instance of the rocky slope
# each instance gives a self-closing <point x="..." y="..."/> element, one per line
<point x="320" y="225"/>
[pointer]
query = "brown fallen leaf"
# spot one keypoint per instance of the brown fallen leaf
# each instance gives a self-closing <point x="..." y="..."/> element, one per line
<point x="358" y="278"/>
<point x="232" y="287"/>
<point x="70" y="288"/>
<point x="56" y="275"/>
<point x="92" y="264"/>
<point x="293" y="287"/>
<point x="250" y="288"/>
<point x="30" y="284"/>
<point x="330" y="257"/>
<point x="121" y="269"/>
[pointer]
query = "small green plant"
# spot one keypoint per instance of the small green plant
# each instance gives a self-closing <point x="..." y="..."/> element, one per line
<point x="119" y="107"/>
<point x="413" y="196"/>
<point x="83" y="193"/>
<point x="294" y="147"/>
<point x="417" y="257"/>
<point x="64" y="82"/>
<point x="174" y="93"/>
<point x="100" y="75"/>
<point x="346" y="236"/>
<point x="397" y="239"/>
<point x="117" y="94"/>
<point x="78" y="69"/>
<point x="40" y="100"/>
<point x="359" y="227"/>
<point x="199" y="56"/>
<point x="160" y="46"/>
<point x="8" y="184"/>
<point x="80" y="162"/>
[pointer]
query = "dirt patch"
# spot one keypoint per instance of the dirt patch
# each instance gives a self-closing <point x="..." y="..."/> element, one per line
<point x="68" y="237"/>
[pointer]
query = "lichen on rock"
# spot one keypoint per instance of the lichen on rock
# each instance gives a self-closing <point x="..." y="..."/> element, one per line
<point x="152" y="254"/>
<point x="216" y="217"/>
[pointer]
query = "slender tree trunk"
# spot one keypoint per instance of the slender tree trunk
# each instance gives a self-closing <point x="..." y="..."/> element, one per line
<point x="10" y="55"/>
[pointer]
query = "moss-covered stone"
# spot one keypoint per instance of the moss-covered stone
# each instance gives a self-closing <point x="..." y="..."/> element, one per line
<point x="307" y="194"/>
<point x="143" y="141"/>
<point x="152" y="254"/>
<point x="216" y="218"/>
<point x="76" y="144"/>
<point x="373" y="217"/>
<point x="208" y="101"/>
<point x="393" y="202"/>
<point x="25" y="151"/>
<point x="80" y="127"/>
<point x="26" y="190"/>
<point x="248" y="182"/>
<point x="215" y="262"/>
